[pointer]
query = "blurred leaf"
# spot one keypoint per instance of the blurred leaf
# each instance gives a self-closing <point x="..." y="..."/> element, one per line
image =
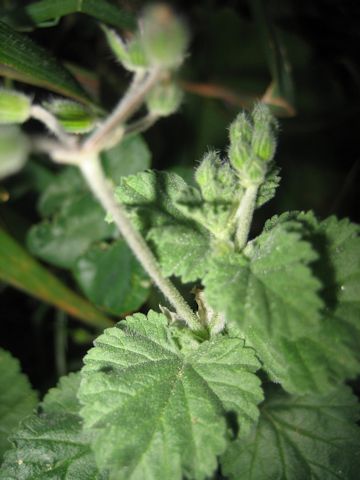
<point x="20" y="270"/>
<point x="130" y="156"/>
<point x="112" y="278"/>
<point x="34" y="65"/>
<point x="14" y="150"/>
<point x="64" y="238"/>
<point x="280" y="93"/>
<point x="45" y="12"/>
<point x="17" y="399"/>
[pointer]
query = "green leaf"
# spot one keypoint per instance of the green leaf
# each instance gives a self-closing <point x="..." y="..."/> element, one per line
<point x="14" y="150"/>
<point x="52" y="444"/>
<point x="316" y="362"/>
<point x="112" y="278"/>
<point x="36" y="65"/>
<point x="157" y="411"/>
<point x="182" y="245"/>
<point x="22" y="271"/>
<point x="71" y="231"/>
<point x="270" y="289"/>
<point x="130" y="156"/>
<point x="45" y="11"/>
<point x="17" y="399"/>
<point x="299" y="438"/>
<point x="268" y="188"/>
<point x="181" y="250"/>
<point x="66" y="186"/>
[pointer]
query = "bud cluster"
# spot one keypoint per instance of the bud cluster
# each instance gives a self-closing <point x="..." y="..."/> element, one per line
<point x="160" y="42"/>
<point x="252" y="144"/>
<point x="216" y="179"/>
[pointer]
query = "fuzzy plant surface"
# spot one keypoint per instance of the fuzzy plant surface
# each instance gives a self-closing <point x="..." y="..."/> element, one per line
<point x="251" y="385"/>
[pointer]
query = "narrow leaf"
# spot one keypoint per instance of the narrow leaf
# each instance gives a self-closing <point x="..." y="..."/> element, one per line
<point x="36" y="65"/>
<point x="158" y="411"/>
<point x="20" y="270"/>
<point x="45" y="12"/>
<point x="17" y="399"/>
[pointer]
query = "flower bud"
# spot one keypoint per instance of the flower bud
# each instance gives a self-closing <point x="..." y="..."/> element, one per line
<point x="130" y="54"/>
<point x="216" y="179"/>
<point x="239" y="153"/>
<point x="14" y="107"/>
<point x="164" y="36"/>
<point x="263" y="139"/>
<point x="14" y="150"/>
<point x="164" y="99"/>
<point x="72" y="116"/>
<point x="241" y="129"/>
<point x="205" y="175"/>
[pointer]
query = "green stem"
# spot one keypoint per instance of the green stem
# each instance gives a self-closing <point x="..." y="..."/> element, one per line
<point x="244" y="216"/>
<point x="130" y="102"/>
<point x="93" y="173"/>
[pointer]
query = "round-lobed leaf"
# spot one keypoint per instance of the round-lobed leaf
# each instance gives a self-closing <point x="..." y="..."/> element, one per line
<point x="158" y="411"/>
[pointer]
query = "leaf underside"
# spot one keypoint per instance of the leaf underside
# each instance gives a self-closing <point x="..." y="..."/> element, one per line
<point x="299" y="438"/>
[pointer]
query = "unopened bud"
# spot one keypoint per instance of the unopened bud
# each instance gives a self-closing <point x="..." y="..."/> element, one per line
<point x="14" y="150"/>
<point x="130" y="54"/>
<point x="205" y="175"/>
<point x="239" y="154"/>
<point x="241" y="129"/>
<point x="264" y="138"/>
<point x="72" y="116"/>
<point x="14" y="107"/>
<point x="164" y="36"/>
<point x="164" y="99"/>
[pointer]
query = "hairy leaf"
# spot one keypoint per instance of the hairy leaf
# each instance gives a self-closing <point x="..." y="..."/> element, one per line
<point x="332" y="355"/>
<point x="112" y="278"/>
<point x="268" y="188"/>
<point x="182" y="245"/>
<point x="271" y="289"/>
<point x="315" y="362"/>
<point x="17" y="399"/>
<point x="299" y="438"/>
<point x="52" y="444"/>
<point x="158" y="411"/>
<point x="63" y="239"/>
<point x="181" y="250"/>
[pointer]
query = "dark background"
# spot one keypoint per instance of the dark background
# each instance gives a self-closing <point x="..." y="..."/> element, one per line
<point x="319" y="142"/>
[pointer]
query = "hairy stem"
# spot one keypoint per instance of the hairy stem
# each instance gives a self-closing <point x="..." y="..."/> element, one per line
<point x="141" y="125"/>
<point x="130" y="102"/>
<point x="244" y="216"/>
<point x="45" y="117"/>
<point x="93" y="173"/>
